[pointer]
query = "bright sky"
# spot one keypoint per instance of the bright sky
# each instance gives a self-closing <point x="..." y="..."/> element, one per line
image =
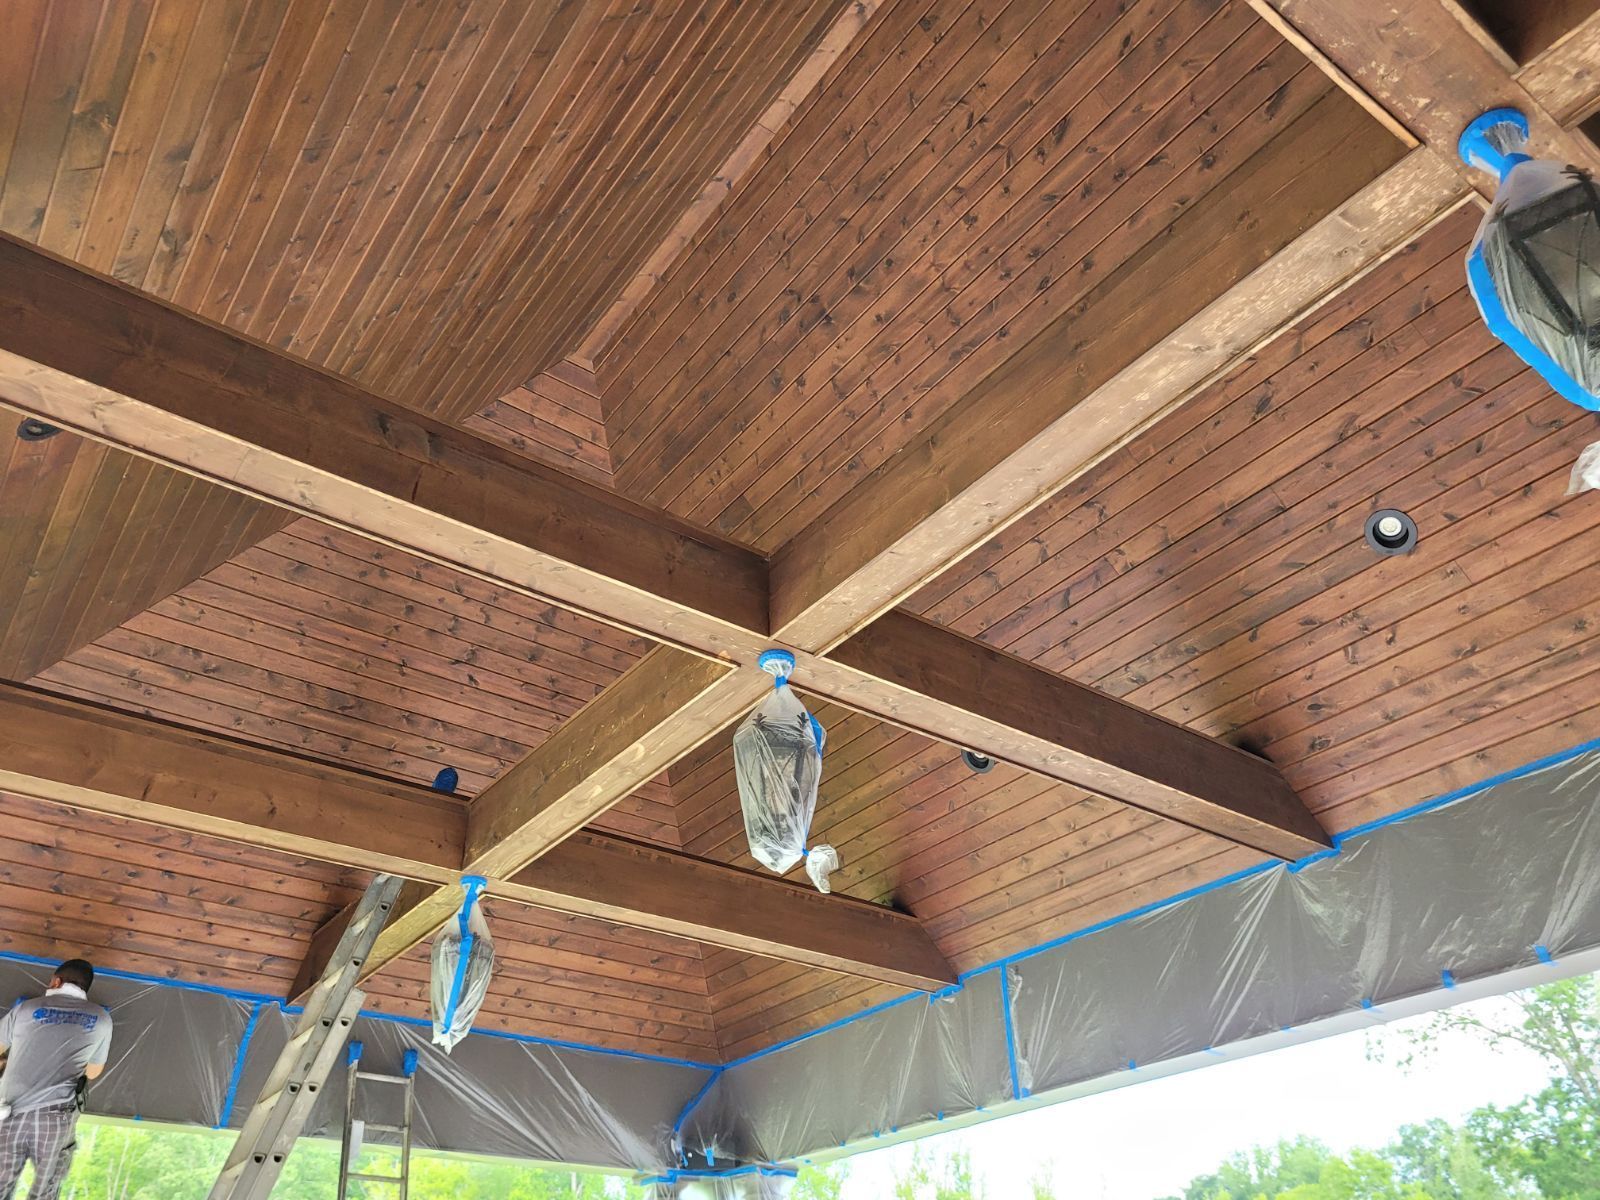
<point x="1152" y="1138"/>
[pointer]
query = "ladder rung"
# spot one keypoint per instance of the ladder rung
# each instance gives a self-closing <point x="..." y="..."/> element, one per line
<point x="380" y="1078"/>
<point x="374" y="1127"/>
<point x="376" y="1178"/>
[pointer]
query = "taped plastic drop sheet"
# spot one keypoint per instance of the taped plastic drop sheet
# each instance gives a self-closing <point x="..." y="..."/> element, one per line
<point x="171" y="1049"/>
<point x="777" y="760"/>
<point x="463" y="962"/>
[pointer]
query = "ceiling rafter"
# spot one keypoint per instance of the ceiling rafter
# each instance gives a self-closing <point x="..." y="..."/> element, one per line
<point x="118" y="366"/>
<point x="82" y="755"/>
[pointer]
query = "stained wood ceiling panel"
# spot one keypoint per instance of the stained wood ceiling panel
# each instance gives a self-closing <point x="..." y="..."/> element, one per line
<point x="554" y="418"/>
<point x="137" y="897"/>
<point x="436" y="199"/>
<point x="141" y="898"/>
<point x="90" y="536"/>
<point x="330" y="645"/>
<point x="1214" y="570"/>
<point x="963" y="178"/>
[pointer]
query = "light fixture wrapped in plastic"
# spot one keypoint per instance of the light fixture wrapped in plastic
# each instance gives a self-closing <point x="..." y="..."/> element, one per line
<point x="463" y="962"/>
<point x="1534" y="267"/>
<point x="777" y="761"/>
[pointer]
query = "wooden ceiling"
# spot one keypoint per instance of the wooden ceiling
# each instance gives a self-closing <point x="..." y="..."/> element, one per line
<point x="435" y="199"/>
<point x="1215" y="571"/>
<point x="444" y="202"/>
<point x="857" y="287"/>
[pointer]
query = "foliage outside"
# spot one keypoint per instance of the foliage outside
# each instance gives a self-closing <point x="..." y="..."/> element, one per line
<point x="1545" y="1147"/>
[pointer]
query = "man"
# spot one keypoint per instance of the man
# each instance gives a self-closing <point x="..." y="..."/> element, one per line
<point x="50" y="1044"/>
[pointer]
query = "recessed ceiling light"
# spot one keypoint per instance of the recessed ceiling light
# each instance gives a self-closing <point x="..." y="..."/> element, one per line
<point x="978" y="762"/>
<point x="34" y="430"/>
<point x="1390" y="531"/>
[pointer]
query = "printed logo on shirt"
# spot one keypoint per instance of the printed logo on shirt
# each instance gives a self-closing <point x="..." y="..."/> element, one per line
<point x="65" y="1016"/>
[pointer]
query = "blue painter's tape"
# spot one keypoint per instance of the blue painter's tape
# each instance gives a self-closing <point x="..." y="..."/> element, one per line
<point x="694" y="1103"/>
<point x="1544" y="954"/>
<point x="247" y="997"/>
<point x="238" y="1066"/>
<point x="1448" y="979"/>
<point x="772" y="1171"/>
<point x="1011" y="1033"/>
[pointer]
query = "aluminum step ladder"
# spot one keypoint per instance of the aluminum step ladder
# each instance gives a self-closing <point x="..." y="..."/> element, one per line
<point x="356" y="1128"/>
<point x="284" y="1105"/>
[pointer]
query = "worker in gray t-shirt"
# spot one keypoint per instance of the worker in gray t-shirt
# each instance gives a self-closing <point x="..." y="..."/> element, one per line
<point x="50" y="1044"/>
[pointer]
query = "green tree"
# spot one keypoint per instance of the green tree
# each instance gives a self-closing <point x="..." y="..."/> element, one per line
<point x="1551" y="1139"/>
<point x="931" y="1177"/>
<point x="821" y="1183"/>
<point x="1263" y="1172"/>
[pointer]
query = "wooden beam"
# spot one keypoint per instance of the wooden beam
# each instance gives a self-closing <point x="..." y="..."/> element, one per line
<point x="84" y="756"/>
<point x="79" y="754"/>
<point x="91" y="355"/>
<point x="1566" y="77"/>
<point x="95" y="356"/>
<point x="754" y="913"/>
<point x="1434" y="71"/>
<point x="657" y="712"/>
<point x="1031" y="718"/>
<point x="1305" y="217"/>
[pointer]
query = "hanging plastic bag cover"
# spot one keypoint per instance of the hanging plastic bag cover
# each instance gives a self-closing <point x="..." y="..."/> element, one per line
<point x="463" y="963"/>
<point x="777" y="760"/>
<point x="1534" y="267"/>
<point x="1586" y="471"/>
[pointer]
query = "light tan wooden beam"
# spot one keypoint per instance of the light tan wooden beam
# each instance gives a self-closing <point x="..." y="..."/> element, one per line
<point x="615" y="878"/>
<point x="657" y="712"/>
<point x="84" y="756"/>
<point x="1433" y="70"/>
<point x="88" y="354"/>
<point x="1566" y="77"/>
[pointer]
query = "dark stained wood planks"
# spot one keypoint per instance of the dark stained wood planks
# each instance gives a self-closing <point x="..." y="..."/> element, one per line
<point x="555" y="418"/>
<point x="91" y="536"/>
<point x="824" y="329"/>
<point x="140" y="898"/>
<point x="438" y="200"/>
<point x="325" y="643"/>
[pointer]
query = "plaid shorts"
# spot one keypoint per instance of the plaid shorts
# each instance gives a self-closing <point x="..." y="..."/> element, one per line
<point x="46" y="1137"/>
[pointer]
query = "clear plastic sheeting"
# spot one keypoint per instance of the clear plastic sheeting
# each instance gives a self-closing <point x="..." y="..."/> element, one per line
<point x="501" y="1096"/>
<point x="463" y="965"/>
<point x="918" y="1060"/>
<point x="171" y="1048"/>
<point x="777" y="761"/>
<point x="1534" y="267"/>
<point x="741" y="1183"/>
<point x="1586" y="471"/>
<point x="1505" y="878"/>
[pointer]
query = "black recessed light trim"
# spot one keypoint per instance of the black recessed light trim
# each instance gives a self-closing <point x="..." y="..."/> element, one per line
<point x="1390" y="531"/>
<point x="978" y="763"/>
<point x="34" y="430"/>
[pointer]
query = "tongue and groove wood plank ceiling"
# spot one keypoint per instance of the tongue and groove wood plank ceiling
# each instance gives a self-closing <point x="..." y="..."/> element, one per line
<point x="727" y="259"/>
